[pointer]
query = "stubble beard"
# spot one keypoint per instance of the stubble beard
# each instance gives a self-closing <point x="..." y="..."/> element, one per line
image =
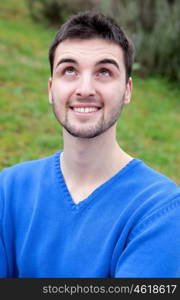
<point x="88" y="131"/>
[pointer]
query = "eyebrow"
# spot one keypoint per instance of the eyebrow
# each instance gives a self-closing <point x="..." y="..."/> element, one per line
<point x="66" y="60"/>
<point x="108" y="61"/>
<point x="103" y="61"/>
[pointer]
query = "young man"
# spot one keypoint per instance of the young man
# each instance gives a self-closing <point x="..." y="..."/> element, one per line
<point x="90" y="210"/>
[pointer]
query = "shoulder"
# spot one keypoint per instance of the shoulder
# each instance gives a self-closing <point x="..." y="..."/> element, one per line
<point x="22" y="180"/>
<point x="150" y="175"/>
<point x="157" y="196"/>
<point x="27" y="168"/>
<point x="145" y="192"/>
<point x="147" y="180"/>
<point x="27" y="175"/>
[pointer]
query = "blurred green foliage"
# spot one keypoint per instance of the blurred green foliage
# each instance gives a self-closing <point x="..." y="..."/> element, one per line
<point x="154" y="26"/>
<point x="55" y="12"/>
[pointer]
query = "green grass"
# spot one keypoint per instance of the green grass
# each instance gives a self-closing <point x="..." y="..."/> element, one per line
<point x="148" y="128"/>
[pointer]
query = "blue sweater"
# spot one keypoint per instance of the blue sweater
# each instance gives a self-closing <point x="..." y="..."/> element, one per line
<point x="128" y="227"/>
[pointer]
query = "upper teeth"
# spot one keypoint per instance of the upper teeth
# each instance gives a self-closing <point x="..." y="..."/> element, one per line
<point x="85" y="109"/>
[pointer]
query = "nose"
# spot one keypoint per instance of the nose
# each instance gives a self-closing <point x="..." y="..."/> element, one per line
<point x="85" y="86"/>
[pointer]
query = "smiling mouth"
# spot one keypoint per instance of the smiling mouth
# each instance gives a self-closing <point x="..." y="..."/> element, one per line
<point x="85" y="109"/>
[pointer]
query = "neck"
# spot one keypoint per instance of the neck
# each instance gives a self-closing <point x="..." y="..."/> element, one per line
<point x="92" y="160"/>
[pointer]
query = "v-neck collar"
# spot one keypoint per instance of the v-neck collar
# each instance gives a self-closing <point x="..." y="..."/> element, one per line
<point x="85" y="202"/>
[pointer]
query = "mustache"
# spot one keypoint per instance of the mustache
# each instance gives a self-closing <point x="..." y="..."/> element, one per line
<point x="82" y="100"/>
<point x="86" y="100"/>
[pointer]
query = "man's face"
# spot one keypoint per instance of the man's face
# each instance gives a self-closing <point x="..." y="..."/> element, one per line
<point x="88" y="88"/>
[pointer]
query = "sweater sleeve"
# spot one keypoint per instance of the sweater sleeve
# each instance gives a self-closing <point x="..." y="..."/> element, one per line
<point x="3" y="258"/>
<point x="3" y="264"/>
<point x="153" y="247"/>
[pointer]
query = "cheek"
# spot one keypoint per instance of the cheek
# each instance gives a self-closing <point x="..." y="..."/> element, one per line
<point x="113" y="100"/>
<point x="61" y="93"/>
<point x="113" y="94"/>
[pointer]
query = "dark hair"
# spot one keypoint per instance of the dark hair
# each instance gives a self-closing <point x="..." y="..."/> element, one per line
<point x="91" y="24"/>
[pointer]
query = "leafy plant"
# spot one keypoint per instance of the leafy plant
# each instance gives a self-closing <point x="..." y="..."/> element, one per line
<point x="56" y="12"/>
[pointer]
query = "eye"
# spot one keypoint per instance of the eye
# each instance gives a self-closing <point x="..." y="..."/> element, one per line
<point x="104" y="72"/>
<point x="69" y="71"/>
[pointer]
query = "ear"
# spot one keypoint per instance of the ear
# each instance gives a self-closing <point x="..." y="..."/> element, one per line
<point x="49" y="90"/>
<point x="127" y="96"/>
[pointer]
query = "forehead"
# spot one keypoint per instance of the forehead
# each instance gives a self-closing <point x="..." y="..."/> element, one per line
<point x="90" y="50"/>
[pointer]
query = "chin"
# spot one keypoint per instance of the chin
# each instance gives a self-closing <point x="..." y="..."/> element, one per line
<point x="83" y="135"/>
